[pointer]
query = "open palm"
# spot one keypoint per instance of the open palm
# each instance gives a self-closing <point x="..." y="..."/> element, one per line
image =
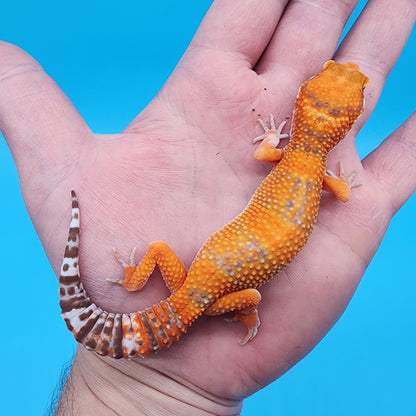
<point x="184" y="167"/>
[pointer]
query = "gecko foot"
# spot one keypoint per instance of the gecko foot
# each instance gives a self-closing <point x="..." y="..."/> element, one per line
<point x="339" y="185"/>
<point x="341" y="176"/>
<point x="123" y="264"/>
<point x="267" y="151"/>
<point x="252" y="330"/>
<point x="272" y="134"/>
<point x="250" y="318"/>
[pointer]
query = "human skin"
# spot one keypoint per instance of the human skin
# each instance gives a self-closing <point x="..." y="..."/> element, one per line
<point x="154" y="181"/>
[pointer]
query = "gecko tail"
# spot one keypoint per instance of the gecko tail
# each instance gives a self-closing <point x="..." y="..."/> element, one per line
<point x="119" y="335"/>
<point x="73" y="298"/>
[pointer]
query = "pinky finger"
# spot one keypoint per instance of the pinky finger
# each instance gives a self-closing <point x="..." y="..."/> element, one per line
<point x="393" y="163"/>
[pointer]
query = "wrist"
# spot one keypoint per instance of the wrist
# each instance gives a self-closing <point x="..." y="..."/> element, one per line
<point x="104" y="386"/>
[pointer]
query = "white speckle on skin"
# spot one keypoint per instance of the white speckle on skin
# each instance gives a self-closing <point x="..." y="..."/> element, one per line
<point x="290" y="203"/>
<point x="220" y="262"/>
<point x="251" y="245"/>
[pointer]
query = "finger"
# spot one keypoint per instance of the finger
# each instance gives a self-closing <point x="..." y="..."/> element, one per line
<point x="376" y="41"/>
<point x="306" y="37"/>
<point x="228" y="43"/>
<point x="244" y="29"/>
<point x="36" y="118"/>
<point x="393" y="164"/>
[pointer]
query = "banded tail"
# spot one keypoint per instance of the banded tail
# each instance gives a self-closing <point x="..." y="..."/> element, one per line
<point x="116" y="334"/>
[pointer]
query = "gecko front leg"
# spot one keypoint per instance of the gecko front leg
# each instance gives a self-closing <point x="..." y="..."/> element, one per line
<point x="267" y="151"/>
<point x="339" y="185"/>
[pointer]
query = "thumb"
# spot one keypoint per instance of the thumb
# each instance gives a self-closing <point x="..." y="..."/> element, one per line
<point x="42" y="128"/>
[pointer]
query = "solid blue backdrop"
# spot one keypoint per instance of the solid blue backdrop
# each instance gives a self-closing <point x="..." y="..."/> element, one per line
<point x="111" y="60"/>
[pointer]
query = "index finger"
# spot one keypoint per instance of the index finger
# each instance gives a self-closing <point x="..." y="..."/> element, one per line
<point x="244" y="29"/>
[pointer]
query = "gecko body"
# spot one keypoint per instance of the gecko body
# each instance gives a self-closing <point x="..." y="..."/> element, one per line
<point x="246" y="252"/>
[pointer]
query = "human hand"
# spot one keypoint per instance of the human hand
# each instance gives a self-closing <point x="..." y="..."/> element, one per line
<point x="201" y="125"/>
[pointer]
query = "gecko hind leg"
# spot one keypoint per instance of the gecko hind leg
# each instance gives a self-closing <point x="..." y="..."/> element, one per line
<point x="244" y="303"/>
<point x="158" y="254"/>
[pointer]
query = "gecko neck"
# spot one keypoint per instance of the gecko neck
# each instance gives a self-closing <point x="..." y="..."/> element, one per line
<point x="303" y="158"/>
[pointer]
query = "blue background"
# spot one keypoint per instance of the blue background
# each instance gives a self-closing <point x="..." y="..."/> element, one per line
<point x="111" y="60"/>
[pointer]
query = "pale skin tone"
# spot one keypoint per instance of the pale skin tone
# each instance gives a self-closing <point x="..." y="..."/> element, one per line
<point x="183" y="168"/>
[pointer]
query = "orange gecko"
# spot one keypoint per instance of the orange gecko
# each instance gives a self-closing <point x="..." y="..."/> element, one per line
<point x="246" y="252"/>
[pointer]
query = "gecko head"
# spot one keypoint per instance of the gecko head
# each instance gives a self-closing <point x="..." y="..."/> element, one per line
<point x="343" y="84"/>
<point x="331" y="101"/>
